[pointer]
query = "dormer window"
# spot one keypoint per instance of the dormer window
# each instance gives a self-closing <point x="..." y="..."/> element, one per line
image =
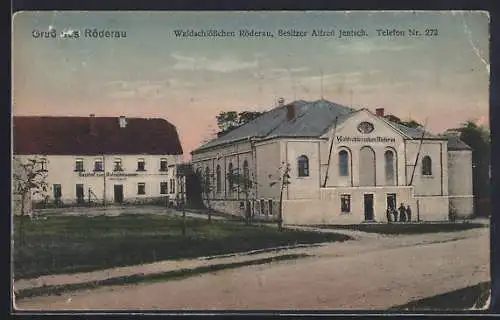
<point x="163" y="165"/>
<point x="141" y="165"/>
<point x="118" y="165"/>
<point x="79" y="165"/>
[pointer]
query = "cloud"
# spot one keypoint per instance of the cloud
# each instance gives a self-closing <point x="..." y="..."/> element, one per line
<point x="151" y="89"/>
<point x="222" y="64"/>
<point x="370" y="46"/>
<point x="277" y="73"/>
<point x="335" y="78"/>
<point x="292" y="70"/>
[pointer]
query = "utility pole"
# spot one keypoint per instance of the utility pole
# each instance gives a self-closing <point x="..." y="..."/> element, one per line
<point x="418" y="153"/>
<point x="330" y="152"/>
<point x="104" y="179"/>
<point x="321" y="88"/>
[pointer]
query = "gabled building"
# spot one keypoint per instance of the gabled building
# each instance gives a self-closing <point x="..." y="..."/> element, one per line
<point x="101" y="159"/>
<point x="346" y="166"/>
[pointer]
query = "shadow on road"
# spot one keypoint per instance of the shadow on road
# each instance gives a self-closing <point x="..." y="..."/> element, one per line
<point x="470" y="298"/>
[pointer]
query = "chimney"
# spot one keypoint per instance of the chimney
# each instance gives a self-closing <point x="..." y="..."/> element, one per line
<point x="122" y="121"/>
<point x="92" y="129"/>
<point x="290" y="111"/>
<point x="379" y="112"/>
<point x="281" y="102"/>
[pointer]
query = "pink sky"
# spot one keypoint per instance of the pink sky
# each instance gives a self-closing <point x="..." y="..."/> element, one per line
<point x="151" y="73"/>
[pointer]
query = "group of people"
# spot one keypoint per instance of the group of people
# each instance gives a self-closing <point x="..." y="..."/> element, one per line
<point x="403" y="212"/>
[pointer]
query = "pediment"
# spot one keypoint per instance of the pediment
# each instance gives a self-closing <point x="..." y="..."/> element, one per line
<point x="365" y="126"/>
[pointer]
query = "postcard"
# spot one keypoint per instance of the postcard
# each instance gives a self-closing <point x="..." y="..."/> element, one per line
<point x="334" y="161"/>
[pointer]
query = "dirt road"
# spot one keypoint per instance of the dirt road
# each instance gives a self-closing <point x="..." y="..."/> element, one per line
<point x="381" y="278"/>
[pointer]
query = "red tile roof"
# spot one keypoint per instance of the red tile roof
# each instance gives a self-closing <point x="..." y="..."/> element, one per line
<point x="73" y="136"/>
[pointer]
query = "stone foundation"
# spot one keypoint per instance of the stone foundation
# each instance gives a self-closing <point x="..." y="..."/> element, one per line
<point x="163" y="201"/>
<point x="462" y="207"/>
<point x="238" y="208"/>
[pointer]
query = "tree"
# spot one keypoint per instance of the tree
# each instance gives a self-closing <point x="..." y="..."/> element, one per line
<point x="478" y="138"/>
<point x="29" y="179"/>
<point x="284" y="181"/>
<point x="207" y="188"/>
<point x="227" y="121"/>
<point x="242" y="182"/>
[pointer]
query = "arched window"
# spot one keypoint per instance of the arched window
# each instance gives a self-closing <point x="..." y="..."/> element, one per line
<point x="246" y="175"/>
<point x="389" y="167"/>
<point x="230" y="177"/>
<point x="218" y="179"/>
<point x="343" y="163"/>
<point x="366" y="166"/>
<point x="427" y="166"/>
<point x="303" y="163"/>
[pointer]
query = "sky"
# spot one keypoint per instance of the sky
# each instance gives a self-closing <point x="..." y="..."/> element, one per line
<point x="441" y="80"/>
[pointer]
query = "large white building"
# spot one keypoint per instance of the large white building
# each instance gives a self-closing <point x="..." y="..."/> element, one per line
<point x="346" y="166"/>
<point x="102" y="159"/>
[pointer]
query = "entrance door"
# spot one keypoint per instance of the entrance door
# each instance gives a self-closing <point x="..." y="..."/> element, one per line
<point x="80" y="197"/>
<point x="391" y="201"/>
<point x="368" y="207"/>
<point x="57" y="192"/>
<point x="118" y="193"/>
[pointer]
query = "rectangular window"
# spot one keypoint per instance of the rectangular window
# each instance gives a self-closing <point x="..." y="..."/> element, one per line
<point x="79" y="165"/>
<point x="98" y="166"/>
<point x="181" y="185"/>
<point x="262" y="207"/>
<point x="57" y="191"/>
<point x="345" y="203"/>
<point x="163" y="188"/>
<point x="118" y="165"/>
<point x="141" y="188"/>
<point x="141" y="165"/>
<point x="163" y="165"/>
<point x="270" y="206"/>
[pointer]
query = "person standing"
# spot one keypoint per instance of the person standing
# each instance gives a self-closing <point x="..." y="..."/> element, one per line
<point x="394" y="213"/>
<point x="408" y="213"/>
<point x="402" y="216"/>
<point x="388" y="213"/>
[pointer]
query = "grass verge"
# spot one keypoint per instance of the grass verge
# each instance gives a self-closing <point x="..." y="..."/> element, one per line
<point x="463" y="299"/>
<point x="71" y="244"/>
<point x="406" y="228"/>
<point x="145" y="278"/>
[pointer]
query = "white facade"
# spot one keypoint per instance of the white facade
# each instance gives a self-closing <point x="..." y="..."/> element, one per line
<point x="73" y="179"/>
<point x="365" y="179"/>
<point x="460" y="182"/>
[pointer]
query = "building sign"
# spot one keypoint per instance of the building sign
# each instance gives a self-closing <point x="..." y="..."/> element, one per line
<point x="365" y="139"/>
<point x="108" y="174"/>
